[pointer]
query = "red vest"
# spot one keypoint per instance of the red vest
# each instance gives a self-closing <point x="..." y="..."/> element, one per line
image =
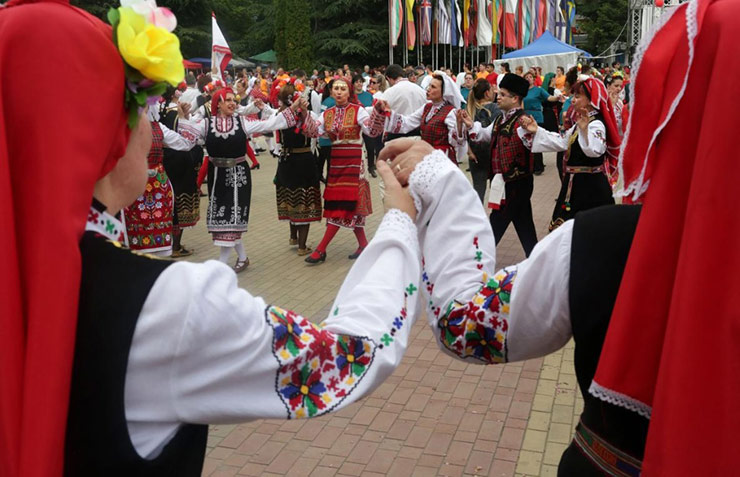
<point x="435" y="130"/>
<point x="509" y="156"/>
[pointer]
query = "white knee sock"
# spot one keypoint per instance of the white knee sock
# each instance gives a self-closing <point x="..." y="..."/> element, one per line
<point x="225" y="254"/>
<point x="240" y="251"/>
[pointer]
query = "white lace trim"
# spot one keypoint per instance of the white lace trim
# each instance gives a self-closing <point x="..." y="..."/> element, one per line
<point x="619" y="399"/>
<point x="221" y="122"/>
<point x="425" y="176"/>
<point x="397" y="223"/>
<point x="640" y="185"/>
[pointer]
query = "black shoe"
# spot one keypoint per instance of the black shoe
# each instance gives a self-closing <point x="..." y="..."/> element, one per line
<point x="356" y="253"/>
<point x="259" y="149"/>
<point x="321" y="258"/>
<point x="373" y="173"/>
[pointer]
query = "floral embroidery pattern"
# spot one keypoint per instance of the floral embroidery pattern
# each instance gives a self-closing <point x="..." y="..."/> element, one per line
<point x="478" y="254"/>
<point x="478" y="328"/>
<point x="318" y="369"/>
<point x="429" y="286"/>
<point x="399" y="320"/>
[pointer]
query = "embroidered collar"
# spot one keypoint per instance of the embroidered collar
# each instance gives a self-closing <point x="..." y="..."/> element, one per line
<point x="104" y="223"/>
<point x="508" y="114"/>
<point x="223" y="127"/>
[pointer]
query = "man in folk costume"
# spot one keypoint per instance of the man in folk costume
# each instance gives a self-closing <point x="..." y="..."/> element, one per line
<point x="436" y="119"/>
<point x="656" y="355"/>
<point x="512" y="163"/>
<point x="347" y="199"/>
<point x="591" y="148"/>
<point x="101" y="376"/>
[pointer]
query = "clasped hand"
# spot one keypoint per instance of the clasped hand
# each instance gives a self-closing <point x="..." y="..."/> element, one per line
<point x="395" y="163"/>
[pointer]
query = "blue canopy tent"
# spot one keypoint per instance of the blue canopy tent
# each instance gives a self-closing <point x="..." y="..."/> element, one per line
<point x="547" y="52"/>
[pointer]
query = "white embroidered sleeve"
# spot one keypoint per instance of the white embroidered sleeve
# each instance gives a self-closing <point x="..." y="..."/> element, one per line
<point x="192" y="129"/>
<point x="546" y="141"/>
<point x="176" y="141"/>
<point x="313" y="125"/>
<point x="480" y="134"/>
<point x="593" y="143"/>
<point x="370" y="122"/>
<point x="471" y="309"/>
<point x="400" y="124"/>
<point x="282" y="120"/>
<point x="250" y="108"/>
<point x="213" y="353"/>
<point x="453" y="137"/>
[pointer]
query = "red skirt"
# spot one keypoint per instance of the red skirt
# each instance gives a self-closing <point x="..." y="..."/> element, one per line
<point x="149" y="218"/>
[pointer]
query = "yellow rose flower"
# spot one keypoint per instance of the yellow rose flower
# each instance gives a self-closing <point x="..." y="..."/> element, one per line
<point x="151" y="50"/>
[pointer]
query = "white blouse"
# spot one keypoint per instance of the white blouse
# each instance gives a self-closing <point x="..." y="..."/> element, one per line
<point x="593" y="142"/>
<point x="197" y="129"/>
<point x="213" y="353"/>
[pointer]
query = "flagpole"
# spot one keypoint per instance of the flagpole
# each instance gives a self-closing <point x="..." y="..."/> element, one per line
<point x="390" y="32"/>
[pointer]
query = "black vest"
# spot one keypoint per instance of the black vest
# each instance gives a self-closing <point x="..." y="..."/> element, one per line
<point x="602" y="238"/>
<point x="232" y="146"/>
<point x="115" y="284"/>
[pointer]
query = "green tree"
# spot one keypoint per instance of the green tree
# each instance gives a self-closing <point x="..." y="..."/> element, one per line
<point x="602" y="21"/>
<point x="293" y="42"/>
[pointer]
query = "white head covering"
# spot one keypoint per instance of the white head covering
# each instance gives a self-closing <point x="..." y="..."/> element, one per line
<point x="452" y="91"/>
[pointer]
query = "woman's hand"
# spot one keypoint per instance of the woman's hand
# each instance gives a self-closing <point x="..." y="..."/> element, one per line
<point x="381" y="106"/>
<point x="183" y="110"/>
<point x="259" y="104"/>
<point x="404" y="154"/>
<point x="528" y="123"/>
<point x="583" y="120"/>
<point x="396" y="196"/>
<point x="464" y="118"/>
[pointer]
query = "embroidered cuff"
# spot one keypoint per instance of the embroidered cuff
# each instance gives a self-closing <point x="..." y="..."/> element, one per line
<point x="395" y="122"/>
<point x="375" y="123"/>
<point x="310" y="126"/>
<point x="398" y="224"/>
<point x="290" y="118"/>
<point x="426" y="175"/>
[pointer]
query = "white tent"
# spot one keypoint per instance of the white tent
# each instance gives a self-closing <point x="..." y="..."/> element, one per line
<point x="547" y="52"/>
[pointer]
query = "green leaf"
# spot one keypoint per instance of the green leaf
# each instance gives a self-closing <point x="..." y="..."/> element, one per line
<point x="133" y="117"/>
<point x="292" y="347"/>
<point x="312" y="409"/>
<point x="156" y="90"/>
<point x="114" y="17"/>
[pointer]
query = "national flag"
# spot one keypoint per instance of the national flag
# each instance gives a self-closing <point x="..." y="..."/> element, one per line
<point x="466" y="22"/>
<point x="561" y="27"/>
<point x="541" y="18"/>
<point x="396" y="12"/>
<point x="570" y="14"/>
<point x="426" y="22"/>
<point x="525" y="23"/>
<point x="472" y="13"/>
<point x="458" y="12"/>
<point x="410" y="27"/>
<point x="552" y="16"/>
<point x="496" y="12"/>
<point x="453" y="23"/>
<point x="220" y="51"/>
<point x="443" y="24"/>
<point x="510" y="27"/>
<point x="485" y="32"/>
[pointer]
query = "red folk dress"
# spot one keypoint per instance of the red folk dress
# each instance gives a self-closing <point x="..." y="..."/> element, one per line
<point x="149" y="218"/>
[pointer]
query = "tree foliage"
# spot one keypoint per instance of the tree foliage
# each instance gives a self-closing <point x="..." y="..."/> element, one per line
<point x="602" y="22"/>
<point x="305" y="33"/>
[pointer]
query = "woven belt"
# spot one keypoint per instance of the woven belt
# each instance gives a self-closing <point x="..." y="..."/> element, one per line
<point x="605" y="456"/>
<point x="227" y="161"/>
<point x="584" y="169"/>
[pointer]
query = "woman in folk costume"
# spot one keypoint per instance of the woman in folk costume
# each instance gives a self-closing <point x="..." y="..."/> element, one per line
<point x="225" y="134"/>
<point x="436" y="119"/>
<point x="100" y="376"/>
<point x="181" y="170"/>
<point x="655" y="359"/>
<point x="297" y="180"/>
<point x="149" y="220"/>
<point x="591" y="148"/>
<point x="347" y="198"/>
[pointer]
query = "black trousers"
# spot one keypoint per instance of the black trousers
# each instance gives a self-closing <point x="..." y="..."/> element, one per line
<point x="323" y="158"/>
<point x="373" y="145"/>
<point x="517" y="208"/>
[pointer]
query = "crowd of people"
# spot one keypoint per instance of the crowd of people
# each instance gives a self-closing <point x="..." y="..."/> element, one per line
<point x="102" y="376"/>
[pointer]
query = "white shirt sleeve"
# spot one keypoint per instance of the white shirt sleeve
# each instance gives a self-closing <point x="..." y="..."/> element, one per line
<point x="480" y="134"/>
<point x="250" y="108"/>
<point x="193" y="129"/>
<point x="213" y="353"/>
<point x="546" y="141"/>
<point x="477" y="314"/>
<point x="453" y="137"/>
<point x="593" y="143"/>
<point x="275" y="122"/>
<point x="175" y="141"/>
<point x="399" y="124"/>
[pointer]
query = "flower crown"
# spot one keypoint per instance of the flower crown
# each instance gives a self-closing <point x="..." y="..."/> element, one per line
<point x="150" y="52"/>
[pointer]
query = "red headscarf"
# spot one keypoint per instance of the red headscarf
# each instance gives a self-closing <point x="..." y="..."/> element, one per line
<point x="600" y="101"/>
<point x="671" y="351"/>
<point x="50" y="158"/>
<point x="217" y="97"/>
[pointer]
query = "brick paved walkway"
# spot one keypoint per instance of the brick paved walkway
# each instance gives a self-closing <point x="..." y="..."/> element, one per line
<point x="434" y="415"/>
